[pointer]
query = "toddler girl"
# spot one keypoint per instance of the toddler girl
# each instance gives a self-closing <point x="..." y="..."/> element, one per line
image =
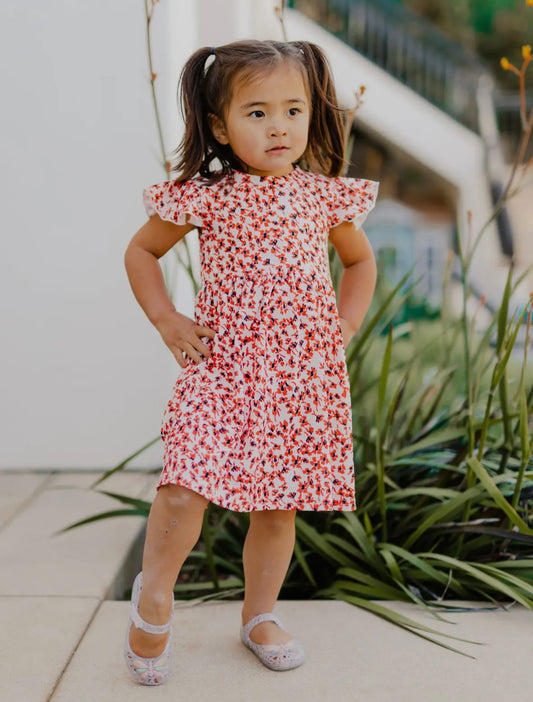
<point x="260" y="417"/>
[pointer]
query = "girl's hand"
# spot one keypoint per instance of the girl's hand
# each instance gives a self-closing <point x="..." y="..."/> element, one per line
<point x="182" y="335"/>
<point x="348" y="331"/>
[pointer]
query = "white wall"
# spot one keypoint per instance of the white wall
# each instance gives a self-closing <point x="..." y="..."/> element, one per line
<point x="83" y="377"/>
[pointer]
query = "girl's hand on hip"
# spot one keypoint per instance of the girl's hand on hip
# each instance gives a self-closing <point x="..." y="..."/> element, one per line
<point x="182" y="335"/>
<point x="348" y="331"/>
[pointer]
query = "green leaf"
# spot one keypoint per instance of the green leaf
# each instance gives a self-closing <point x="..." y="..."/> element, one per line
<point x="434" y="439"/>
<point x="503" y="314"/>
<point x="399" y="620"/>
<point x="302" y="561"/>
<point x="319" y="544"/>
<point x="125" y="462"/>
<point x="207" y="540"/>
<point x="442" y="512"/>
<point x="502" y="363"/>
<point x="478" y="574"/>
<point x="386" y="590"/>
<point x="350" y="522"/>
<point x="437" y="493"/>
<point x="229" y="566"/>
<point x="105" y="515"/>
<point x="394" y="404"/>
<point x="227" y="584"/>
<point x="376" y="319"/>
<point x="384" y="377"/>
<point x="514" y="564"/>
<point x="509" y="577"/>
<point x="391" y="564"/>
<point x="491" y="487"/>
<point x="372" y="592"/>
<point x="142" y="505"/>
<point x="493" y="532"/>
<point x="343" y="544"/>
<point x="427" y="569"/>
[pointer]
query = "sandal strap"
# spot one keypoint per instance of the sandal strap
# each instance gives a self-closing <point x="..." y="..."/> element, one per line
<point x="136" y="618"/>
<point x="139" y="623"/>
<point x="254" y="621"/>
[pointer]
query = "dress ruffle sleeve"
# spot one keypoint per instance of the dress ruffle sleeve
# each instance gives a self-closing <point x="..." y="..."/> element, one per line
<point x="349" y="199"/>
<point x="181" y="203"/>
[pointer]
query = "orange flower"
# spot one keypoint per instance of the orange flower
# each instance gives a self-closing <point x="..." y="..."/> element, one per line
<point x="154" y="76"/>
<point x="508" y="66"/>
<point x="529" y="2"/>
<point x="526" y="52"/>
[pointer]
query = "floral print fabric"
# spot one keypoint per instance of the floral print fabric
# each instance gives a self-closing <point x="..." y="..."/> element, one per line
<point x="265" y="422"/>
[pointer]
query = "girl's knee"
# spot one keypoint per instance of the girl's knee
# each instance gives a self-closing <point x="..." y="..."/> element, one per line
<point x="177" y="497"/>
<point x="275" y="521"/>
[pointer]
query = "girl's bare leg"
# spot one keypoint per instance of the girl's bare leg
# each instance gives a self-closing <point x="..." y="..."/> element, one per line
<point x="174" y="526"/>
<point x="266" y="556"/>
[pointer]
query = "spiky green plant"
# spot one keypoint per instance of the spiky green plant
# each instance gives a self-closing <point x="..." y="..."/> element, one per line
<point x="440" y="515"/>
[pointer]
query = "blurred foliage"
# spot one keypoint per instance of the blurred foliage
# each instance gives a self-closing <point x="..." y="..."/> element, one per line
<point x="442" y="440"/>
<point x="492" y="28"/>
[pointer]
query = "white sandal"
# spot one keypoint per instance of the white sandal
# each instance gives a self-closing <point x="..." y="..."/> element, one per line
<point x="282" y="656"/>
<point x="147" y="671"/>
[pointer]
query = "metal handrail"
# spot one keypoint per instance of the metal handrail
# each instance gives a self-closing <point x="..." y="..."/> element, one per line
<point x="408" y="48"/>
<point x="436" y="67"/>
<point x="510" y="126"/>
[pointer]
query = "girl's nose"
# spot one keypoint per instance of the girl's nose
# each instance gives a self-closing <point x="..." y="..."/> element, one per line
<point x="277" y="129"/>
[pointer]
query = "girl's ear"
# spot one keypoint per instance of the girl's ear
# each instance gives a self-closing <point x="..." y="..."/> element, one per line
<point x="218" y="128"/>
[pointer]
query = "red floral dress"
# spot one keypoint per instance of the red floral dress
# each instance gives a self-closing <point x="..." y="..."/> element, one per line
<point x="265" y="422"/>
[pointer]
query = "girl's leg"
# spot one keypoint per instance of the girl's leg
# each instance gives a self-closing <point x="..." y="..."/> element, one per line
<point x="266" y="556"/>
<point x="174" y="526"/>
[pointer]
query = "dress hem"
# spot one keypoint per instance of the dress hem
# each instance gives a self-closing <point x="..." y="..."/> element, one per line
<point x="261" y="508"/>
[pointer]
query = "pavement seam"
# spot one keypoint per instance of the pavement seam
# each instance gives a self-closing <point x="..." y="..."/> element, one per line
<point x="33" y="596"/>
<point x="48" y="477"/>
<point x="73" y="652"/>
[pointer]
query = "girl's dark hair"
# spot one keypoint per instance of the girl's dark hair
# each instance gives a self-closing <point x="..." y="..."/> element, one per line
<point x="206" y="88"/>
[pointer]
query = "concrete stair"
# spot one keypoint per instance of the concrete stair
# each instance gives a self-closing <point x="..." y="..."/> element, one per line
<point x="61" y="634"/>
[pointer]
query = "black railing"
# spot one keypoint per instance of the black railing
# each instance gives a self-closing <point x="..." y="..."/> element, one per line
<point x="408" y="48"/>
<point x="510" y="123"/>
<point x="439" y="69"/>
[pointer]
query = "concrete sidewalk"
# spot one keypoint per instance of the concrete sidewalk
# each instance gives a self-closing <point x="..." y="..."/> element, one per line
<point x="52" y="584"/>
<point x="62" y="635"/>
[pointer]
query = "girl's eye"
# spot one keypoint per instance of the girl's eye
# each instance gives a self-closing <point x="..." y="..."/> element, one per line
<point x="257" y="113"/>
<point x="294" y="111"/>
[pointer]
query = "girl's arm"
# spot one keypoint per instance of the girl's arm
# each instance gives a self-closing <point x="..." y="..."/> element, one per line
<point x="180" y="333"/>
<point x="358" y="277"/>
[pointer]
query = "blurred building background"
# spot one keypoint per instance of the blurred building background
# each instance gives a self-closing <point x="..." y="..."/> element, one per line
<point x="440" y="129"/>
<point x="83" y="377"/>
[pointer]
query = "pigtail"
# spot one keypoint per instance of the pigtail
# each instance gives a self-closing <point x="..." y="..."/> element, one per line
<point x="203" y="89"/>
<point x="326" y="132"/>
<point x="193" y="146"/>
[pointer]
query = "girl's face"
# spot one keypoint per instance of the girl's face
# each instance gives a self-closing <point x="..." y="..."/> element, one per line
<point x="267" y="121"/>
